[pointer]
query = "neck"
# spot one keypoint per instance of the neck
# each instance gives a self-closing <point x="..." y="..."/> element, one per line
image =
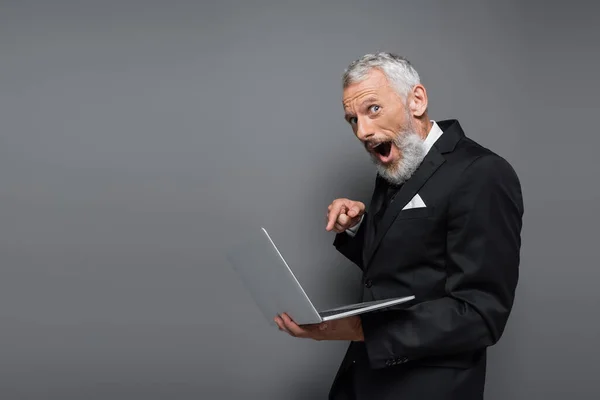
<point x="423" y="125"/>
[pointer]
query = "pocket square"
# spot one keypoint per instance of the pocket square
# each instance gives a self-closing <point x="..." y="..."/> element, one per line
<point x="415" y="202"/>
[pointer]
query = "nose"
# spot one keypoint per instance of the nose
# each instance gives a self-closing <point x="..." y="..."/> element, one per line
<point x="364" y="129"/>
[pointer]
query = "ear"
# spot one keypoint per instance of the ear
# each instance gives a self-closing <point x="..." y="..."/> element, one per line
<point x="418" y="101"/>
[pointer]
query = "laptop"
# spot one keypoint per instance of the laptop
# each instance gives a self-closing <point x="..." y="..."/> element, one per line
<point x="275" y="289"/>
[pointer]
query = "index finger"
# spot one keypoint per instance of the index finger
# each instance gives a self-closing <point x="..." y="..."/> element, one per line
<point x="336" y="210"/>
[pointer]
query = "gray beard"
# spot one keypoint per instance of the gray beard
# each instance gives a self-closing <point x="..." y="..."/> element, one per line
<point x="412" y="153"/>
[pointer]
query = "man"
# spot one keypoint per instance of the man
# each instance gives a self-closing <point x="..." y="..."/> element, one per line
<point x="444" y="224"/>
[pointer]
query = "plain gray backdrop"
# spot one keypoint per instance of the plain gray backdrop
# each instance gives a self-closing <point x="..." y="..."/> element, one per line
<point x="139" y="140"/>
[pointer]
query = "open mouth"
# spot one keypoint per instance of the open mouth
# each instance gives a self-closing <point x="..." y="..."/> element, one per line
<point x="383" y="151"/>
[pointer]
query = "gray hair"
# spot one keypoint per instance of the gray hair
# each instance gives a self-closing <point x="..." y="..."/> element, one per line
<point x="397" y="69"/>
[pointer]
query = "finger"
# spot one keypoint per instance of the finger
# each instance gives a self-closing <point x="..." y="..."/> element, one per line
<point x="281" y="325"/>
<point x="341" y="219"/>
<point x="354" y="211"/>
<point x="292" y="327"/>
<point x="315" y="331"/>
<point x="344" y="220"/>
<point x="279" y="322"/>
<point x="336" y="208"/>
<point x="339" y="228"/>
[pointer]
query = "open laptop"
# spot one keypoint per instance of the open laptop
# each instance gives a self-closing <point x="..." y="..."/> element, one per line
<point x="276" y="290"/>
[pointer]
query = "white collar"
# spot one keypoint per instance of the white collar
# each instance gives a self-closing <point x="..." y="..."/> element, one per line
<point x="433" y="135"/>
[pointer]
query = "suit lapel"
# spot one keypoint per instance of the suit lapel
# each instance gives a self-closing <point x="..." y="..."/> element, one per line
<point x="430" y="164"/>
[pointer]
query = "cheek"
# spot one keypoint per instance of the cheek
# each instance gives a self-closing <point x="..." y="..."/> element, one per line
<point x="390" y="130"/>
<point x="395" y="120"/>
<point x="389" y="122"/>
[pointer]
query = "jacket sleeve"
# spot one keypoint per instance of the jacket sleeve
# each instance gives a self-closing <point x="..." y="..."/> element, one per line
<point x="482" y="258"/>
<point x="352" y="246"/>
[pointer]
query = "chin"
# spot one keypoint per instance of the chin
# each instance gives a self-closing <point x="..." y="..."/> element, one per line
<point x="392" y="173"/>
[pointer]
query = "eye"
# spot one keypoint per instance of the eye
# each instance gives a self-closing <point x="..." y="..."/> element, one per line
<point x="374" y="108"/>
<point x="353" y="120"/>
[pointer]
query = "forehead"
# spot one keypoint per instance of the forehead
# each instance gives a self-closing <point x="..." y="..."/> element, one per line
<point x="375" y="84"/>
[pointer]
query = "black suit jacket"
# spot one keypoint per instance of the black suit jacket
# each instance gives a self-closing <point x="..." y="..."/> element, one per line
<point x="459" y="256"/>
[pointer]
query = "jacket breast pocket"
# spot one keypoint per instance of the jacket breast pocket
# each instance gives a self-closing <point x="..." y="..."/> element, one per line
<point x="420" y="212"/>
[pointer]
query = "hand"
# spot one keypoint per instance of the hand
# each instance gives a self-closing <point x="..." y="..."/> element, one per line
<point x="349" y="328"/>
<point x="343" y="214"/>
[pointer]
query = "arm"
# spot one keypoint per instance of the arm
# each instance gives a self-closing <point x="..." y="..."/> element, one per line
<point x="483" y="245"/>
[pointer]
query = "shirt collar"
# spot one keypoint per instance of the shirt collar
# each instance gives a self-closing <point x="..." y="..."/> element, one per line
<point x="433" y="135"/>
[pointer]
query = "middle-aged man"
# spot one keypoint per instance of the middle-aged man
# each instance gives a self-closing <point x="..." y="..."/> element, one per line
<point x="444" y="224"/>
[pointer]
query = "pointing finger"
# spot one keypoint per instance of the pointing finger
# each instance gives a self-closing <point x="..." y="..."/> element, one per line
<point x="333" y="214"/>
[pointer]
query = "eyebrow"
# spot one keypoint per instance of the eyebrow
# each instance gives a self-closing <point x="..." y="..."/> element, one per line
<point x="368" y="100"/>
<point x="362" y="103"/>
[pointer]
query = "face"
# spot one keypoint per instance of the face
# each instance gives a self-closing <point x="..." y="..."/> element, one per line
<point x="382" y="121"/>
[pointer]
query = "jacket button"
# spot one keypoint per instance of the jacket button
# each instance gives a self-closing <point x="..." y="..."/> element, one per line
<point x="368" y="283"/>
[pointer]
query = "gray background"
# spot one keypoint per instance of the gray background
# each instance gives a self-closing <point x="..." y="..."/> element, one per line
<point x="138" y="140"/>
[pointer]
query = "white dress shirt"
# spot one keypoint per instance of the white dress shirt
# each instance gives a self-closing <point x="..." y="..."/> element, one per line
<point x="433" y="135"/>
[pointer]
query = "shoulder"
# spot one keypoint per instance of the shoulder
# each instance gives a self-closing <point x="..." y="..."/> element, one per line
<point x="480" y="163"/>
<point x="483" y="178"/>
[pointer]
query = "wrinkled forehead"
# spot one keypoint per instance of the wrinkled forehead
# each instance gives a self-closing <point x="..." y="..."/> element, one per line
<point x="354" y="100"/>
<point x="375" y="84"/>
